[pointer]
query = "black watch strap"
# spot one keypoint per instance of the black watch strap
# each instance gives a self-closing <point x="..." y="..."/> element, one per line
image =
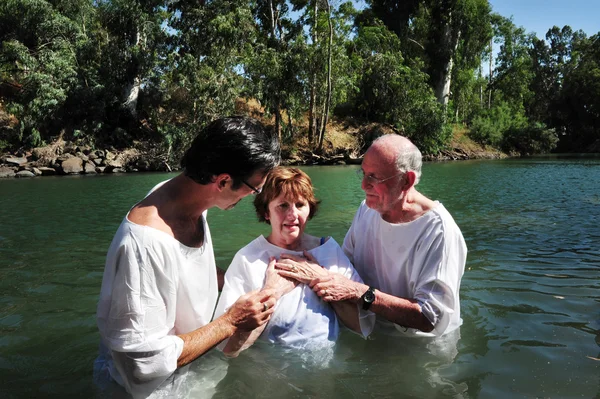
<point x="368" y="298"/>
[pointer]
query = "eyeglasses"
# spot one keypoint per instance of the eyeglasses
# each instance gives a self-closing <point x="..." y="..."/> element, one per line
<point x="373" y="180"/>
<point x="254" y="189"/>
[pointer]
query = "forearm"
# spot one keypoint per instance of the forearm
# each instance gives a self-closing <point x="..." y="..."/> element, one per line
<point x="347" y="312"/>
<point x="401" y="311"/>
<point x="200" y="341"/>
<point x="242" y="340"/>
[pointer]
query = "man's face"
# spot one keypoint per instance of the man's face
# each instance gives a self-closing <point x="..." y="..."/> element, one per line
<point x="381" y="196"/>
<point x="233" y="197"/>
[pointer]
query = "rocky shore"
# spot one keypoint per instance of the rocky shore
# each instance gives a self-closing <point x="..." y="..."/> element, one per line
<point x="66" y="158"/>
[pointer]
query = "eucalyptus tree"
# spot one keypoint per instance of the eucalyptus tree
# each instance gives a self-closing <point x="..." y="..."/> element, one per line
<point x="393" y="91"/>
<point x="132" y="37"/>
<point x="439" y="32"/>
<point x="210" y="43"/>
<point x="38" y="60"/>
<point x="580" y="97"/>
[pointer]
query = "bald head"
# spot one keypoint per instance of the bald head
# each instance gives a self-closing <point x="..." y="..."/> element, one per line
<point x="401" y="151"/>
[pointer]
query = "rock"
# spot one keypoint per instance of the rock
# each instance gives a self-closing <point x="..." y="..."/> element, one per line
<point x="72" y="166"/>
<point x="37" y="172"/>
<point x="89" y="168"/>
<point x="6" y="172"/>
<point x="109" y="156"/>
<point x="24" y="173"/>
<point x="82" y="156"/>
<point x="47" y="171"/>
<point x="115" y="163"/>
<point x="100" y="169"/>
<point x="43" y="153"/>
<point x="15" y="161"/>
<point x="118" y="170"/>
<point x="97" y="161"/>
<point x="64" y="157"/>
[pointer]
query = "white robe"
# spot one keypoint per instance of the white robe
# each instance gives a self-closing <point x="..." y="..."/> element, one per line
<point x="301" y="319"/>
<point x="153" y="288"/>
<point x="423" y="259"/>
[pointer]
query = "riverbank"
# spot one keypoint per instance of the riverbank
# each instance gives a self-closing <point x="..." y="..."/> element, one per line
<point x="344" y="143"/>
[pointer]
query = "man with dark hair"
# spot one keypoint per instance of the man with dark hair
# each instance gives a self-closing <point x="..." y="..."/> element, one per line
<point x="160" y="283"/>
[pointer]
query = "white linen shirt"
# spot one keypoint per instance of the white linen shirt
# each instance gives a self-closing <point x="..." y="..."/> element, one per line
<point x="423" y="259"/>
<point x="153" y="288"/>
<point x="301" y="319"/>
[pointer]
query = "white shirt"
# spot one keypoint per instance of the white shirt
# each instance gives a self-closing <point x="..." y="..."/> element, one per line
<point x="423" y="259"/>
<point x="153" y="288"/>
<point x="301" y="319"/>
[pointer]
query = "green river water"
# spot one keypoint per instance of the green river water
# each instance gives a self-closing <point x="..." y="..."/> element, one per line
<point x="530" y="295"/>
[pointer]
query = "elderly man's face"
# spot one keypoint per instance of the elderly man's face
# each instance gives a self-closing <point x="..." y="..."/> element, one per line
<point x="379" y="164"/>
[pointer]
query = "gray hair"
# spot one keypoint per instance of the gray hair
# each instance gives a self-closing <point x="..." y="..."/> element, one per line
<point x="410" y="159"/>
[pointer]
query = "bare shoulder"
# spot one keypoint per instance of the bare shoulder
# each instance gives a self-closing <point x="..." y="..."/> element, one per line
<point x="146" y="214"/>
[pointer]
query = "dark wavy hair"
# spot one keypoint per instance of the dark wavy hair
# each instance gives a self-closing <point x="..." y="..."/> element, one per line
<point x="292" y="183"/>
<point x="236" y="145"/>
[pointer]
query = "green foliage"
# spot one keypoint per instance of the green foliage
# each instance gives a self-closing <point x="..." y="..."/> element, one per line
<point x="490" y="127"/>
<point x="532" y="139"/>
<point x="393" y="93"/>
<point x="115" y="71"/>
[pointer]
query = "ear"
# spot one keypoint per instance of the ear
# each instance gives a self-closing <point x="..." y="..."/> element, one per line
<point x="221" y="181"/>
<point x="409" y="180"/>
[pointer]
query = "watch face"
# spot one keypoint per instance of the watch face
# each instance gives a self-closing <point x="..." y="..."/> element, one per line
<point x="369" y="296"/>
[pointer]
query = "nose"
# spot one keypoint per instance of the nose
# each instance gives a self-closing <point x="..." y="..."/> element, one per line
<point x="364" y="183"/>
<point x="292" y="212"/>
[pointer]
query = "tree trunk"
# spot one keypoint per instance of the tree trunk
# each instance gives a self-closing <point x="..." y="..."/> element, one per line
<point x="132" y="92"/>
<point x="329" y="84"/>
<point x="449" y="41"/>
<point x="491" y="73"/>
<point x="278" y="121"/>
<point x="312" y="111"/>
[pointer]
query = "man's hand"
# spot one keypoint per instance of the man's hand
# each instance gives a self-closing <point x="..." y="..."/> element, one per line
<point x="251" y="310"/>
<point x="303" y="269"/>
<point x="334" y="288"/>
<point x="279" y="284"/>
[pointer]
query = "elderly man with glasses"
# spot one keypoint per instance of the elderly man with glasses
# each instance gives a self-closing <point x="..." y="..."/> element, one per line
<point x="407" y="248"/>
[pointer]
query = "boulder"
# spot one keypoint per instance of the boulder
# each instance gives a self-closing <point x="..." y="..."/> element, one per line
<point x="16" y="161"/>
<point x="72" y="166"/>
<point x="47" y="171"/>
<point x="89" y="168"/>
<point x="24" y="173"/>
<point x="6" y="172"/>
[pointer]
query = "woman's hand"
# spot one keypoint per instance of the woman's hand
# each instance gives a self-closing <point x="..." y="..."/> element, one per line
<point x="335" y="288"/>
<point x="279" y="284"/>
<point x="303" y="269"/>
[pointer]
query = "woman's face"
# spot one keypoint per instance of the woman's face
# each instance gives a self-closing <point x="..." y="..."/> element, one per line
<point x="288" y="217"/>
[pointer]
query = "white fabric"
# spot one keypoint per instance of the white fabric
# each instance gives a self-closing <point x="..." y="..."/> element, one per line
<point x="153" y="288"/>
<point x="423" y="260"/>
<point x="301" y="319"/>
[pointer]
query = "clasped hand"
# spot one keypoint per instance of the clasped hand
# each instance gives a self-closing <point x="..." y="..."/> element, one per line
<point x="332" y="287"/>
<point x="300" y="268"/>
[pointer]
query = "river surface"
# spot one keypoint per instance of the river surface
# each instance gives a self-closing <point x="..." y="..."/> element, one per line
<point x="530" y="295"/>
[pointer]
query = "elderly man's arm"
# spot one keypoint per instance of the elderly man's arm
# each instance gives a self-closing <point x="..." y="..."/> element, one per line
<point x="402" y="311"/>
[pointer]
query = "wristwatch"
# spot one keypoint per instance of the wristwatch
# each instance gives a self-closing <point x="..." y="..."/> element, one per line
<point x="368" y="298"/>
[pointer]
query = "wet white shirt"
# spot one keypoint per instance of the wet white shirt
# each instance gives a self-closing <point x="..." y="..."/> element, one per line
<point x="301" y="319"/>
<point x="423" y="260"/>
<point x="153" y="288"/>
